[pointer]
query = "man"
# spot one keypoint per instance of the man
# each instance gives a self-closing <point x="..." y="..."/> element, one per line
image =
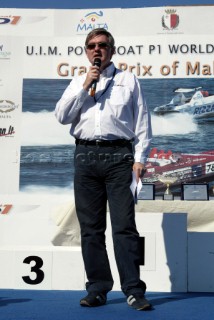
<point x="107" y="124"/>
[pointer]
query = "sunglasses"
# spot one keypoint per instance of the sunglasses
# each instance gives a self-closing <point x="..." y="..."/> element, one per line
<point x="101" y="45"/>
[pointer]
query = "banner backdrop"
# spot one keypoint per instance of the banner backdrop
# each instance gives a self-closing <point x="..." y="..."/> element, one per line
<point x="167" y="48"/>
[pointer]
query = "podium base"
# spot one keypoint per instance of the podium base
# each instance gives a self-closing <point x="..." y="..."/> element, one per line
<point x="168" y="197"/>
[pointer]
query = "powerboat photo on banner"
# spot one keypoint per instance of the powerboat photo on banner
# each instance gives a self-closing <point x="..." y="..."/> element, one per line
<point x="194" y="101"/>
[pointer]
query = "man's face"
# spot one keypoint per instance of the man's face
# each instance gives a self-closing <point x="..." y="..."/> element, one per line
<point x="99" y="47"/>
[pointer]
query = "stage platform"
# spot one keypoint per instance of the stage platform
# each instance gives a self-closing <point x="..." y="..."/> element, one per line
<point x="58" y="305"/>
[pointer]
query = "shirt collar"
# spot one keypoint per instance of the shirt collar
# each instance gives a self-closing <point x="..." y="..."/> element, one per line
<point x="108" y="72"/>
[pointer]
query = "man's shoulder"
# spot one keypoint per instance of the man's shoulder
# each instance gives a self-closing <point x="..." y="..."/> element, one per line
<point x="126" y="76"/>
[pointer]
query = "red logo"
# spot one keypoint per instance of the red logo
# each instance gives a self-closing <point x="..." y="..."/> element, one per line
<point x="4" y="209"/>
<point x="9" y="19"/>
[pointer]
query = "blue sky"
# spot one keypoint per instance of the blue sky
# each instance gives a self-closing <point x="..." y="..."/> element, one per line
<point x="75" y="4"/>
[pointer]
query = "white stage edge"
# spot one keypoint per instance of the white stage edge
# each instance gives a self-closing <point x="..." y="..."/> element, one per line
<point x="47" y="267"/>
<point x="175" y="260"/>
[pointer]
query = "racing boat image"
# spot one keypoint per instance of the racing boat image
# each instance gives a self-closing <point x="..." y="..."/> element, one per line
<point x="183" y="166"/>
<point x="194" y="101"/>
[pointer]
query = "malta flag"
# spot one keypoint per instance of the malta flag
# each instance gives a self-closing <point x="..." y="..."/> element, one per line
<point x="170" y="20"/>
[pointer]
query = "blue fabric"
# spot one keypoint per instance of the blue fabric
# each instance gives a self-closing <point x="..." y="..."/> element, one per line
<point x="64" y="305"/>
<point x="76" y="4"/>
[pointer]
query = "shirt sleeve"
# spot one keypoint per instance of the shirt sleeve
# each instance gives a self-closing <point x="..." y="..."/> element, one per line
<point x="68" y="107"/>
<point x="142" y="123"/>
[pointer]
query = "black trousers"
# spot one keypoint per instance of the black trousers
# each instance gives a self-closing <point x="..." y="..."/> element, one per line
<point x="101" y="174"/>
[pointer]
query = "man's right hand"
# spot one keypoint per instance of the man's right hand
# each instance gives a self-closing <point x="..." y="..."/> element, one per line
<point x="93" y="74"/>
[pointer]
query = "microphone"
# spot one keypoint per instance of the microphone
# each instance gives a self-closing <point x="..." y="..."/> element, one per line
<point x="97" y="62"/>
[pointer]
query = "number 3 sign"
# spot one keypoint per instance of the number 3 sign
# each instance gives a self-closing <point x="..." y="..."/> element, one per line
<point x="36" y="269"/>
<point x="33" y="271"/>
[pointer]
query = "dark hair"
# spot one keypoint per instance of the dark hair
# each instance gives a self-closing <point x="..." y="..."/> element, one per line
<point x="97" y="32"/>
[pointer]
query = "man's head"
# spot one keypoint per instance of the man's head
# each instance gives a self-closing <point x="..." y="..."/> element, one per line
<point x="99" y="43"/>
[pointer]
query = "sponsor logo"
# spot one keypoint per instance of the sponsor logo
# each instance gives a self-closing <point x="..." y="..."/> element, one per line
<point x="4" y="54"/>
<point x="7" y="132"/>
<point x="92" y="20"/>
<point x="14" y="20"/>
<point x="208" y="108"/>
<point x="9" y="20"/>
<point x="170" y="20"/>
<point x="7" y="106"/>
<point x="5" y="208"/>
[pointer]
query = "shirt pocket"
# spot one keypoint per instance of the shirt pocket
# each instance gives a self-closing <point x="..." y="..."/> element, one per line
<point x="119" y="96"/>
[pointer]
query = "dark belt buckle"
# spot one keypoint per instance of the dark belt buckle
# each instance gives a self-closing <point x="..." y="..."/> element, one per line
<point x="98" y="142"/>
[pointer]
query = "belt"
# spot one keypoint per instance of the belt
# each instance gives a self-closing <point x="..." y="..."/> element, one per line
<point x="104" y="143"/>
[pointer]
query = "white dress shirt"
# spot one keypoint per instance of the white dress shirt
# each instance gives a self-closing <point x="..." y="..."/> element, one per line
<point x="120" y="112"/>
